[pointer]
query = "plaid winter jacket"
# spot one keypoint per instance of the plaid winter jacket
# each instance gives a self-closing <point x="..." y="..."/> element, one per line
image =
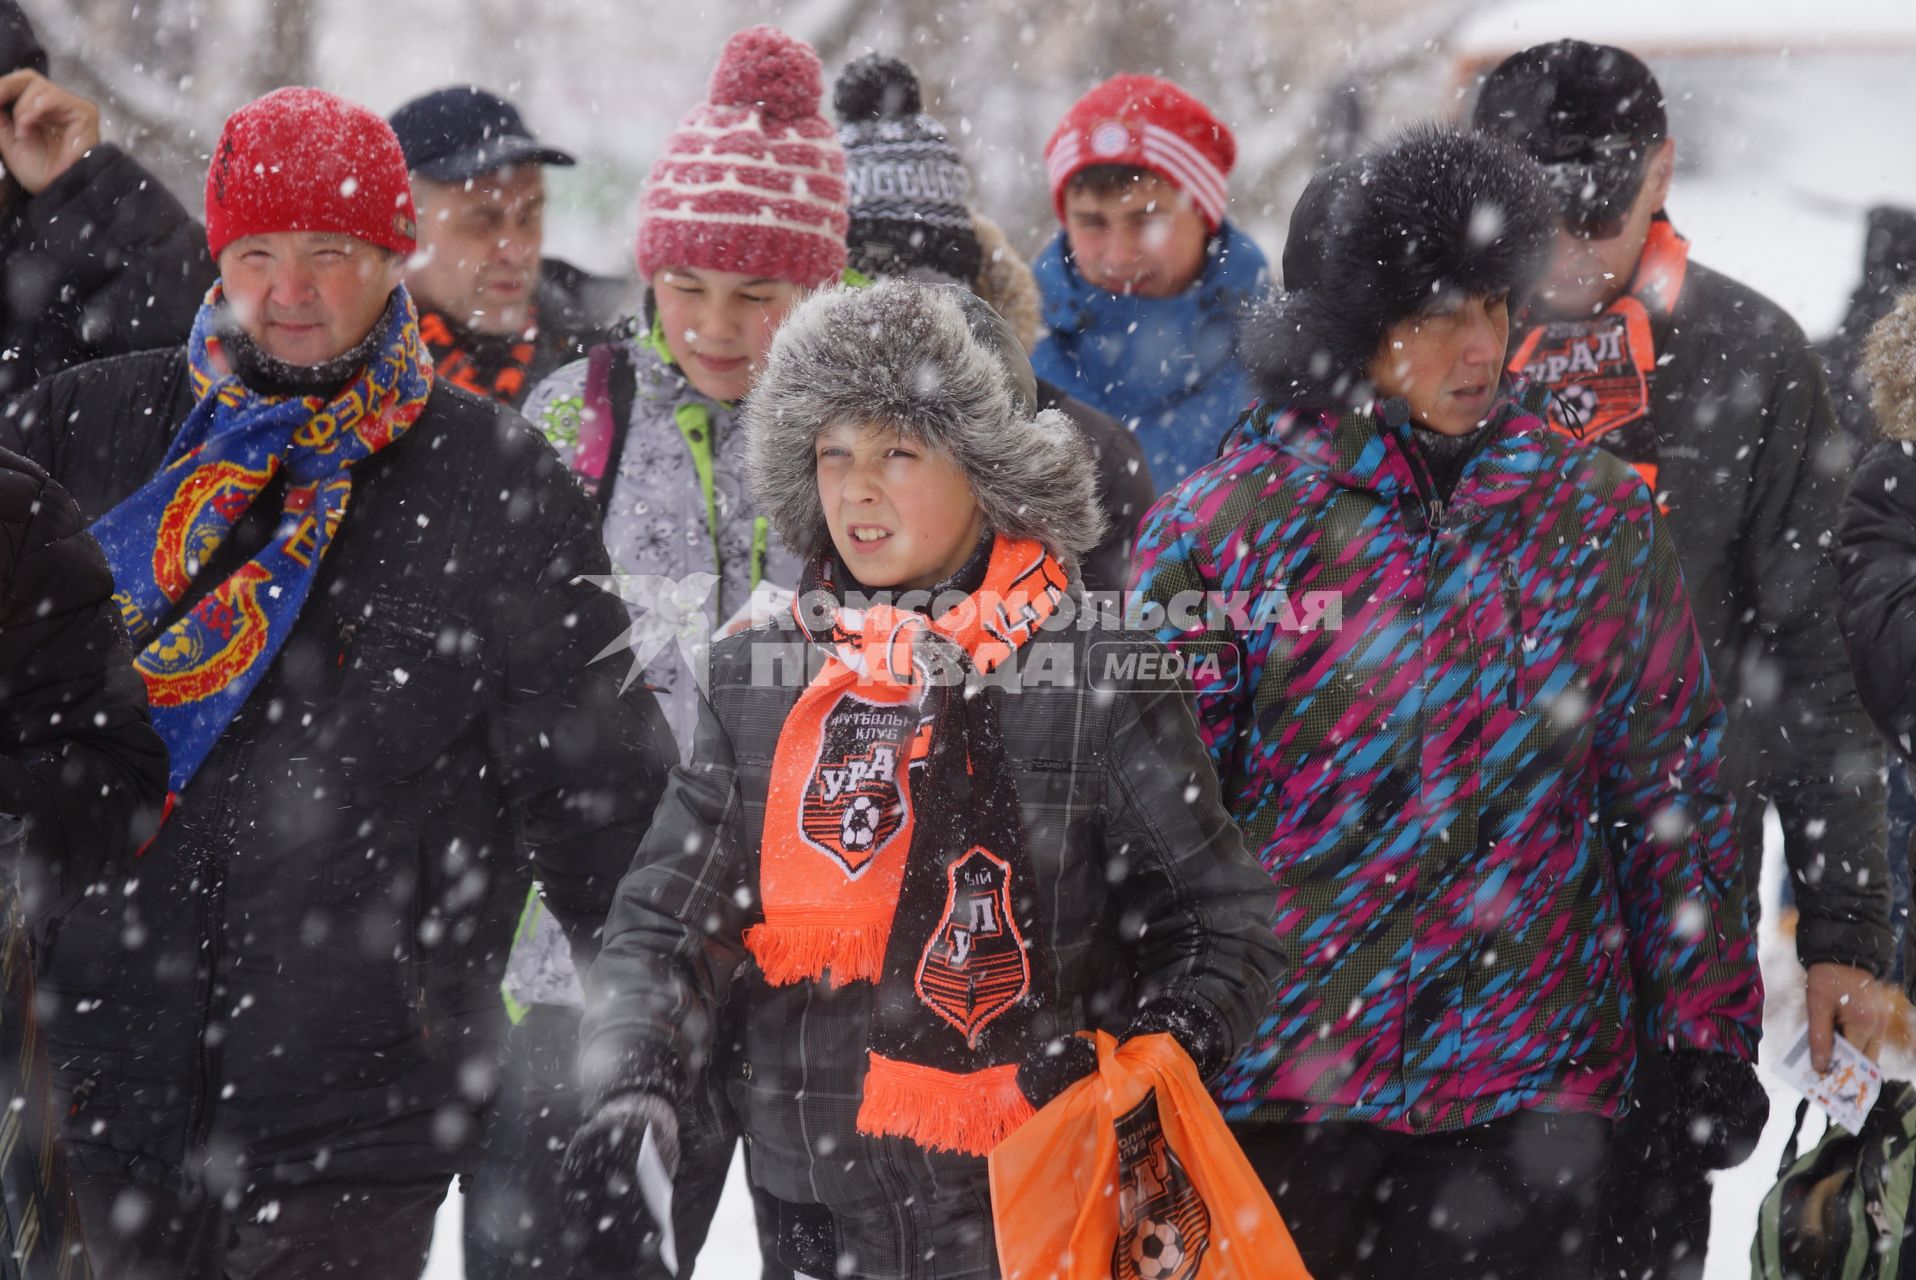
<point x="1476" y="746"/>
<point x="1149" y="900"/>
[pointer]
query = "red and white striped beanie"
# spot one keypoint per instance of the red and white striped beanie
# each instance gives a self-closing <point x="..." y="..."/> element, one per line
<point x="753" y="180"/>
<point x="1145" y="123"/>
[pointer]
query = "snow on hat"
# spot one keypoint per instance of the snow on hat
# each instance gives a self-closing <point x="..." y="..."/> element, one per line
<point x="1145" y="123"/>
<point x="941" y="366"/>
<point x="306" y="160"/>
<point x="908" y="184"/>
<point x="753" y="180"/>
<point x="1589" y="113"/>
<point x="1376" y="239"/>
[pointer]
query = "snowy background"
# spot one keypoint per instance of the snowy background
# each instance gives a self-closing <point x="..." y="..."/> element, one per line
<point x="1785" y="111"/>
<point x="1791" y="119"/>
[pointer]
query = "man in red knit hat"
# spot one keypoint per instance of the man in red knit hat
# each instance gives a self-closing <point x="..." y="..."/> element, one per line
<point x="354" y="592"/>
<point x="1144" y="286"/>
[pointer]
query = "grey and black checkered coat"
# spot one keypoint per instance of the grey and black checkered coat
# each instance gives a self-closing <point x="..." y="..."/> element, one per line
<point x="1153" y="915"/>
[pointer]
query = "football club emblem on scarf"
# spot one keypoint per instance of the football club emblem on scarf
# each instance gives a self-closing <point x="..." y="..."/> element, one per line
<point x="894" y="850"/>
<point x="200" y="667"/>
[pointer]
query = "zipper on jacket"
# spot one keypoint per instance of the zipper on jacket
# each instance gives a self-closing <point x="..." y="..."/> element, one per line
<point x="1513" y="620"/>
<point x="1426" y="484"/>
<point x="245" y="726"/>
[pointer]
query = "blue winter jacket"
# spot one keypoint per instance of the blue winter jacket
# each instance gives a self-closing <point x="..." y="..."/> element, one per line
<point x="1166" y="367"/>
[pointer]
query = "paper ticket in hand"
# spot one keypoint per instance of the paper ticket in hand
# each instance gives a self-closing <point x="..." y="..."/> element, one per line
<point x="1847" y="1090"/>
<point x="655" y="1189"/>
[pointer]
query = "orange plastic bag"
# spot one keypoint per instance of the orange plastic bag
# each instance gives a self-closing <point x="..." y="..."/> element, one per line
<point x="1131" y="1175"/>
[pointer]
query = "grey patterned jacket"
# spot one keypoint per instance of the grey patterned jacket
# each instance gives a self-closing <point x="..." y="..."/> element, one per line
<point x="678" y="511"/>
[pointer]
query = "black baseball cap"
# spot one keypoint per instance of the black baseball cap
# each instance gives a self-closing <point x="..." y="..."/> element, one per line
<point x="1590" y="114"/>
<point x="453" y="134"/>
<point x="20" y="49"/>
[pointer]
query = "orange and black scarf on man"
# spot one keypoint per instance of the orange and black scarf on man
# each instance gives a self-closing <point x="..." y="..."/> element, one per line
<point x="1601" y="370"/>
<point x="484" y="365"/>
<point x="894" y="850"/>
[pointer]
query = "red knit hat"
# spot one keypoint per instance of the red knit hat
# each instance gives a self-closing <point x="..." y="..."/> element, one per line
<point x="1146" y="123"/>
<point x="753" y="180"/>
<point x="305" y="160"/>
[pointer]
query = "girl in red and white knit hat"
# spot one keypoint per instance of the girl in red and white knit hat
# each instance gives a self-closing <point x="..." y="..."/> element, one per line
<point x="743" y="214"/>
<point x="753" y="180"/>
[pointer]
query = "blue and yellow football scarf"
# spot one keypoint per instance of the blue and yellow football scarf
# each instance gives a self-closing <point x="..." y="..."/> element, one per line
<point x="200" y="670"/>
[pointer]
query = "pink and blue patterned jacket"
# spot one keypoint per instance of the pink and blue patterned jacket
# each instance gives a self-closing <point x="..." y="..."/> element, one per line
<point x="1476" y="746"/>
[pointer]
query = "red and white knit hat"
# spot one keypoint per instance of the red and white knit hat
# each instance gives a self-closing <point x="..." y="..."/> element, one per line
<point x="1145" y="123"/>
<point x="753" y="180"/>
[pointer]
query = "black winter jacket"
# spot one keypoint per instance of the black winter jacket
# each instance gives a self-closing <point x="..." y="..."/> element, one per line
<point x="1879" y="587"/>
<point x="103" y="262"/>
<point x="82" y="776"/>
<point x="311" y="950"/>
<point x="1889" y="267"/>
<point x="1878" y="538"/>
<point x="1752" y="472"/>
<point x="1125" y="490"/>
<point x="81" y="768"/>
<point x="1149" y="901"/>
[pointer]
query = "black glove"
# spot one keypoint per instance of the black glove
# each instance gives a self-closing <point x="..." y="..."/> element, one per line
<point x="1717" y="1107"/>
<point x="1194" y="1024"/>
<point x="1055" y="1066"/>
<point x="607" y="1224"/>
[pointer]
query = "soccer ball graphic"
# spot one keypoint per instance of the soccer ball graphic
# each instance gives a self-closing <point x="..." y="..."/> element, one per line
<point x="859" y="827"/>
<point x="1581" y="402"/>
<point x="1157" y="1250"/>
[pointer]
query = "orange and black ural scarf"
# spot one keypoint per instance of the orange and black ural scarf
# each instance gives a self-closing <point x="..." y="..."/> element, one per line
<point x="894" y="851"/>
<point x="1600" y="370"/>
<point x="485" y="366"/>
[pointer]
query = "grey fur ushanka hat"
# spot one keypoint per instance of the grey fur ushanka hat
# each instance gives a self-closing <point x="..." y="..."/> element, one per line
<point x="939" y="365"/>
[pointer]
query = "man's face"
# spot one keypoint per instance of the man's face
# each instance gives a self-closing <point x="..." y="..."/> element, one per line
<point x="1587" y="274"/>
<point x="719" y="325"/>
<point x="1145" y="239"/>
<point x="307" y="297"/>
<point x="479" y="246"/>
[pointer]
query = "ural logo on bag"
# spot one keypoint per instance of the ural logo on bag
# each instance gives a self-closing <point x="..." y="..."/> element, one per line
<point x="854" y="805"/>
<point x="1163" y="1225"/>
<point x="1114" y="1179"/>
<point x="975" y="967"/>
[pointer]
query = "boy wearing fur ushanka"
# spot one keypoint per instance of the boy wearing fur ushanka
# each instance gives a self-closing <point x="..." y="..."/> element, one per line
<point x="914" y="844"/>
<point x="1489" y="793"/>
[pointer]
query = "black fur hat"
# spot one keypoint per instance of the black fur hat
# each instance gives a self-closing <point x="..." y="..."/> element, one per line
<point x="1376" y="240"/>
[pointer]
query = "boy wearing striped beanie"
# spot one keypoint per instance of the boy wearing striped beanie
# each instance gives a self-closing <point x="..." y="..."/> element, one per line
<point x="1144" y="285"/>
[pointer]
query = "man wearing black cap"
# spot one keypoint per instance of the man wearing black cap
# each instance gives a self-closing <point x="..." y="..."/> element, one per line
<point x="96" y="257"/>
<point x="496" y="315"/>
<point x="1714" y="395"/>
